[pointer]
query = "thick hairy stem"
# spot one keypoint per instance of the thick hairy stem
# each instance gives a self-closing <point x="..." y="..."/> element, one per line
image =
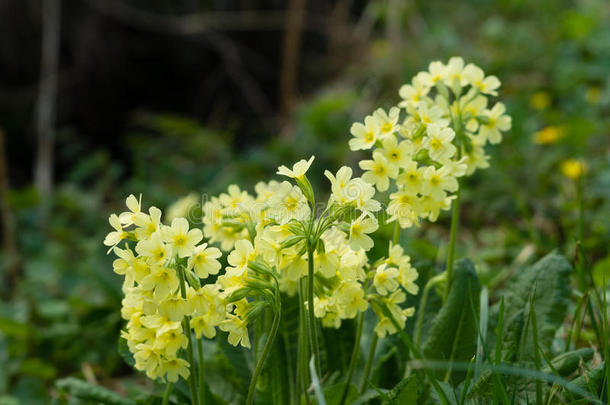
<point x="422" y="308"/>
<point x="369" y="363"/>
<point x="266" y="349"/>
<point x="313" y="332"/>
<point x="354" y="359"/>
<point x="201" y="371"/>
<point x="186" y="325"/>
<point x="582" y="280"/>
<point x="302" y="350"/>
<point x="168" y="391"/>
<point x="455" y="219"/>
<point x="396" y="233"/>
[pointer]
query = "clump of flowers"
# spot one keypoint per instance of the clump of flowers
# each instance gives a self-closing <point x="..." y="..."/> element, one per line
<point x="164" y="301"/>
<point x="277" y="244"/>
<point x="434" y="136"/>
<point x="277" y="230"/>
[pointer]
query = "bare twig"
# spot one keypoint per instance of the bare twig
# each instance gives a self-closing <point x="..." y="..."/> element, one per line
<point x="290" y="60"/>
<point x="338" y="28"/>
<point x="251" y="90"/>
<point x="47" y="95"/>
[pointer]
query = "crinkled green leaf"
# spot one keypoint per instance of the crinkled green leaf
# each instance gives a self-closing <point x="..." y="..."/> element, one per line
<point x="453" y="333"/>
<point x="566" y="363"/>
<point x="406" y="392"/>
<point x="91" y="392"/>
<point x="549" y="280"/>
<point x="126" y="355"/>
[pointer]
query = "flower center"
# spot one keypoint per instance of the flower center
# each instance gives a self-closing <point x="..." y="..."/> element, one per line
<point x="387" y="127"/>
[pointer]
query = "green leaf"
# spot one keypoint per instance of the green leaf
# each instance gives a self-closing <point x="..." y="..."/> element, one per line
<point x="334" y="392"/>
<point x="13" y="328"/>
<point x="91" y="392"/>
<point x="366" y="397"/>
<point x="566" y="363"/>
<point x="601" y="272"/>
<point x="126" y="355"/>
<point x="591" y="381"/>
<point x="549" y="281"/>
<point x="38" y="368"/>
<point x="453" y="332"/>
<point x="405" y="392"/>
<point x="449" y="392"/>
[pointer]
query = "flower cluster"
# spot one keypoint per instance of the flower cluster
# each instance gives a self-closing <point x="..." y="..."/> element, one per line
<point x="162" y="266"/>
<point x="277" y="230"/>
<point x="391" y="273"/>
<point x="441" y="137"/>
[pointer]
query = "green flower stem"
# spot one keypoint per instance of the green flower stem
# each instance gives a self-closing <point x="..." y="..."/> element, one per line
<point x="168" y="391"/>
<point x="421" y="310"/>
<point x="186" y="325"/>
<point x="201" y="371"/>
<point x="302" y="372"/>
<point x="582" y="281"/>
<point x="313" y="332"/>
<point x="396" y="233"/>
<point x="354" y="359"/>
<point x="455" y="218"/>
<point x="264" y="354"/>
<point x="369" y="363"/>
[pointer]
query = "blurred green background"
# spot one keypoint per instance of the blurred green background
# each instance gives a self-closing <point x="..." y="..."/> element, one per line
<point x="172" y="98"/>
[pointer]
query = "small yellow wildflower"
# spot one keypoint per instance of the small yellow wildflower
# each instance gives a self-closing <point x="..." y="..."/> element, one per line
<point x="593" y="95"/>
<point x="540" y="100"/>
<point x="548" y="135"/>
<point x="573" y="168"/>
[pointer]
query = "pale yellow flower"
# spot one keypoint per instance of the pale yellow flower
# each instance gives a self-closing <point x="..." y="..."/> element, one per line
<point x="298" y="169"/>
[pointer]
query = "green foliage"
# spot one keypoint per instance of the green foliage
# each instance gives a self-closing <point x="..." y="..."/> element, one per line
<point x="592" y="381"/>
<point x="91" y="392"/>
<point x="547" y="284"/>
<point x="405" y="392"/>
<point x="64" y="312"/>
<point x="453" y="333"/>
<point x="566" y="363"/>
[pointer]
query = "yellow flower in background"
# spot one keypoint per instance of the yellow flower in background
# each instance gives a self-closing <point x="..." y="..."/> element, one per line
<point x="548" y="135"/>
<point x="593" y="95"/>
<point x="182" y="207"/>
<point x="540" y="100"/>
<point x="573" y="168"/>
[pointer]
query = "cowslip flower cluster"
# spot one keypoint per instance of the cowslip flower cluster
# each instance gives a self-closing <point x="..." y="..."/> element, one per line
<point x="162" y="266"/>
<point x="278" y="230"/>
<point x="394" y="272"/>
<point x="440" y="137"/>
